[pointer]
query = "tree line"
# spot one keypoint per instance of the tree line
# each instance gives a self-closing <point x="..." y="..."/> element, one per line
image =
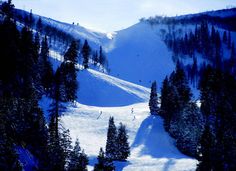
<point x="55" y="35"/>
<point x="208" y="42"/>
<point x="206" y="132"/>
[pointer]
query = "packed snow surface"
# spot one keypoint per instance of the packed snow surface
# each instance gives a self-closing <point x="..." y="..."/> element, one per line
<point x="152" y="149"/>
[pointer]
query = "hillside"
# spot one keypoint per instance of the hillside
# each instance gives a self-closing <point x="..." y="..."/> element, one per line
<point x="136" y="57"/>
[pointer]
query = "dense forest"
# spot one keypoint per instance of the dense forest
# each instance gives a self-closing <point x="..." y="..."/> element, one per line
<point x="206" y="132"/>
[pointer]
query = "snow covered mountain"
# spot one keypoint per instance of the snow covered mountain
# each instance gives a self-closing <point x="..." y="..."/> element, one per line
<point x="135" y="60"/>
<point x="137" y="56"/>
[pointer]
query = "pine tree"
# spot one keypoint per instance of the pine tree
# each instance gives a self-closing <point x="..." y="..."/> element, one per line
<point x="72" y="53"/>
<point x="178" y="79"/>
<point x="95" y="58"/>
<point x="56" y="151"/>
<point x="65" y="142"/>
<point x="39" y="25"/>
<point x="169" y="104"/>
<point x="164" y="96"/>
<point x="225" y="37"/>
<point x="233" y="53"/>
<point x="75" y="157"/>
<point x="31" y="19"/>
<point x="205" y="153"/>
<point x="104" y="163"/>
<point x="36" y="132"/>
<point x="78" y="159"/>
<point x="36" y="45"/>
<point x="153" y="102"/>
<point x="45" y="66"/>
<point x="102" y="57"/>
<point x="232" y="61"/>
<point x="229" y="40"/>
<point x="69" y="73"/>
<point x="83" y="161"/>
<point x="187" y="127"/>
<point x="111" y="144"/>
<point x="86" y="50"/>
<point x="123" y="149"/>
<point x="69" y="81"/>
<point x="7" y="8"/>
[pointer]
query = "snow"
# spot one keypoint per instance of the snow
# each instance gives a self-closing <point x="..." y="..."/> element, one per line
<point x="151" y="147"/>
<point x="139" y="55"/>
<point x="99" y="89"/>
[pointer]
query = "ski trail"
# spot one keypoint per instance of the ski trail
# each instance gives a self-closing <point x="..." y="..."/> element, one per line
<point x="140" y="91"/>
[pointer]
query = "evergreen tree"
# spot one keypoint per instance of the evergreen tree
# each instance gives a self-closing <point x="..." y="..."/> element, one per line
<point x="123" y="149"/>
<point x="72" y="53"/>
<point x="36" y="46"/>
<point x="39" y="25"/>
<point x="229" y="40"/>
<point x="35" y="133"/>
<point x="65" y="142"/>
<point x="178" y="79"/>
<point x="95" y="58"/>
<point x="86" y="50"/>
<point x="45" y="66"/>
<point x="153" y="102"/>
<point x="102" y="57"/>
<point x="69" y="73"/>
<point x="69" y="81"/>
<point x="104" y="163"/>
<point x="56" y="151"/>
<point x="75" y="157"/>
<point x="225" y="37"/>
<point x="7" y="8"/>
<point x="232" y="61"/>
<point x="78" y="159"/>
<point x="31" y="19"/>
<point x="233" y="54"/>
<point x="164" y="96"/>
<point x="205" y="153"/>
<point x="168" y="102"/>
<point x="83" y="161"/>
<point x="111" y="144"/>
<point x="187" y="127"/>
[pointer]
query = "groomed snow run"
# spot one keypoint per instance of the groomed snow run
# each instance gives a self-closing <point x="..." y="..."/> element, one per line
<point x="152" y="149"/>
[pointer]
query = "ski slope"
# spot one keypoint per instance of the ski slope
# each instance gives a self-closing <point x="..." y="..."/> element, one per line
<point x="99" y="89"/>
<point x="137" y="56"/>
<point x="151" y="146"/>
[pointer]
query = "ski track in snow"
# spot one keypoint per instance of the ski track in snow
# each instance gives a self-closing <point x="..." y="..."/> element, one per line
<point x="134" y="89"/>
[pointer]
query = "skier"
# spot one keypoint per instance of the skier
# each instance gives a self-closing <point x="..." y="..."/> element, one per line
<point x="99" y="115"/>
<point x="132" y="112"/>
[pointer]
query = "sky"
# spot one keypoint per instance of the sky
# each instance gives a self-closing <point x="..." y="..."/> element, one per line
<point x="113" y="15"/>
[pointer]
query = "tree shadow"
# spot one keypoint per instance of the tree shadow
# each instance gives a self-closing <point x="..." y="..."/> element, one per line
<point x="153" y="140"/>
<point x="121" y="165"/>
